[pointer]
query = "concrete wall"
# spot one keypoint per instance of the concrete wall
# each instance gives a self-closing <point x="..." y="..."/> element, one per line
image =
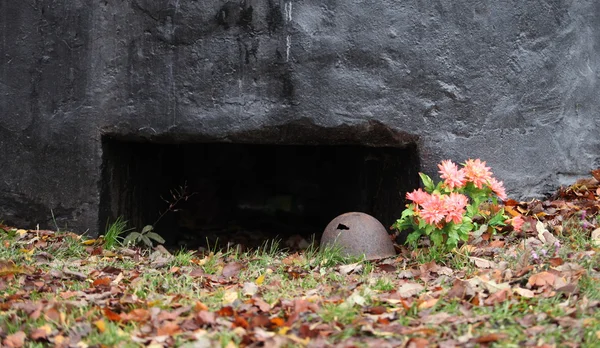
<point x="512" y="82"/>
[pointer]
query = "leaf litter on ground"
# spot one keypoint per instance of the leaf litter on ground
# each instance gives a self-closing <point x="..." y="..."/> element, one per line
<point x="534" y="287"/>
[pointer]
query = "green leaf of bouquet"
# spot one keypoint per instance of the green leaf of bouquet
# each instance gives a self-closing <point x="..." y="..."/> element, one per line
<point x="437" y="238"/>
<point x="147" y="228"/>
<point x="427" y="182"/>
<point x="408" y="212"/>
<point x="498" y="219"/>
<point x="413" y="237"/>
<point x="429" y="229"/>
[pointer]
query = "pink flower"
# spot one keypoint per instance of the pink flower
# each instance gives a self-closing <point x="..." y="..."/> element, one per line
<point x="498" y="188"/>
<point x="477" y="173"/>
<point x="453" y="177"/>
<point x="418" y="196"/>
<point x="455" y="204"/>
<point x="433" y="209"/>
<point x="517" y="222"/>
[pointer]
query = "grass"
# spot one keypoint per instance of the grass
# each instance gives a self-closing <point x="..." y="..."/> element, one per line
<point x="294" y="294"/>
<point x="114" y="233"/>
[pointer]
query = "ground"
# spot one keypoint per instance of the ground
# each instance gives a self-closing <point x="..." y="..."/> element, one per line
<point x="536" y="288"/>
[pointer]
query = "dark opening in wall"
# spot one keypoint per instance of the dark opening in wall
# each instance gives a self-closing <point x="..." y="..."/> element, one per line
<point x="248" y="193"/>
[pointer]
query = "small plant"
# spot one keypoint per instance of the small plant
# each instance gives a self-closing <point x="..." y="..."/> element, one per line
<point x="448" y="212"/>
<point x="146" y="236"/>
<point x="113" y="237"/>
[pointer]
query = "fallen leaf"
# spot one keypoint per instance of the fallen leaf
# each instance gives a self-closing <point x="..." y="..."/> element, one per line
<point x="249" y="289"/>
<point x="596" y="237"/>
<point x="168" y="329"/>
<point x="417" y="342"/>
<point x="353" y="267"/>
<point x="232" y="269"/>
<point x="541" y="279"/>
<point x="101" y="282"/>
<point x="410" y="289"/>
<point x="428" y="303"/>
<point x="482" y="263"/>
<point x="206" y="318"/>
<point x="460" y="290"/>
<point x="100" y="325"/>
<point x="229" y="297"/>
<point x="555" y="261"/>
<point x="15" y="340"/>
<point x="524" y="292"/>
<point x="110" y="315"/>
<point x="260" y="279"/>
<point x="9" y="267"/>
<point x="489" y="338"/>
<point x="41" y="333"/>
<point x="385" y="267"/>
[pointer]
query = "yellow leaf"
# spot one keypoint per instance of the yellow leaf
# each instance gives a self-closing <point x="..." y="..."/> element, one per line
<point x="47" y="329"/>
<point x="284" y="330"/>
<point x="100" y="325"/>
<point x="28" y="252"/>
<point x="22" y="232"/>
<point x="260" y="279"/>
<point x="428" y="303"/>
<point x="89" y="242"/>
<point x="229" y="297"/>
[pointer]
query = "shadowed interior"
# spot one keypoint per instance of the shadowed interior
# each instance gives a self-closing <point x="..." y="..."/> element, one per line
<point x="249" y="193"/>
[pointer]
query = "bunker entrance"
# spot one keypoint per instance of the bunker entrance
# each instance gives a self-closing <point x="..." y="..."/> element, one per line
<point x="245" y="194"/>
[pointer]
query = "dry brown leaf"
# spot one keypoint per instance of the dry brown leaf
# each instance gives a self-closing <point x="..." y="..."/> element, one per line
<point x="596" y="236"/>
<point x="417" y="342"/>
<point x="232" y="269"/>
<point x="524" y="292"/>
<point x="205" y="318"/>
<point x="410" y="289"/>
<point x="41" y="333"/>
<point x="460" y="290"/>
<point x="428" y="303"/>
<point x="482" y="263"/>
<point x="541" y="279"/>
<point x="15" y="340"/>
<point x="168" y="329"/>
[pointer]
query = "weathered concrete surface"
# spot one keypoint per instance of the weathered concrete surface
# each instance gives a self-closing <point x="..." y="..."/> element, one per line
<point x="514" y="83"/>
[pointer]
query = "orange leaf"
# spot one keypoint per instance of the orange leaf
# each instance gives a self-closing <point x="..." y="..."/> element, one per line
<point x="110" y="315"/>
<point x="101" y="282"/>
<point x="137" y="315"/>
<point x="240" y="322"/>
<point x="556" y="261"/>
<point x="277" y="322"/>
<point x="542" y="279"/>
<point x="199" y="306"/>
<point x="489" y="338"/>
<point x="225" y="311"/>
